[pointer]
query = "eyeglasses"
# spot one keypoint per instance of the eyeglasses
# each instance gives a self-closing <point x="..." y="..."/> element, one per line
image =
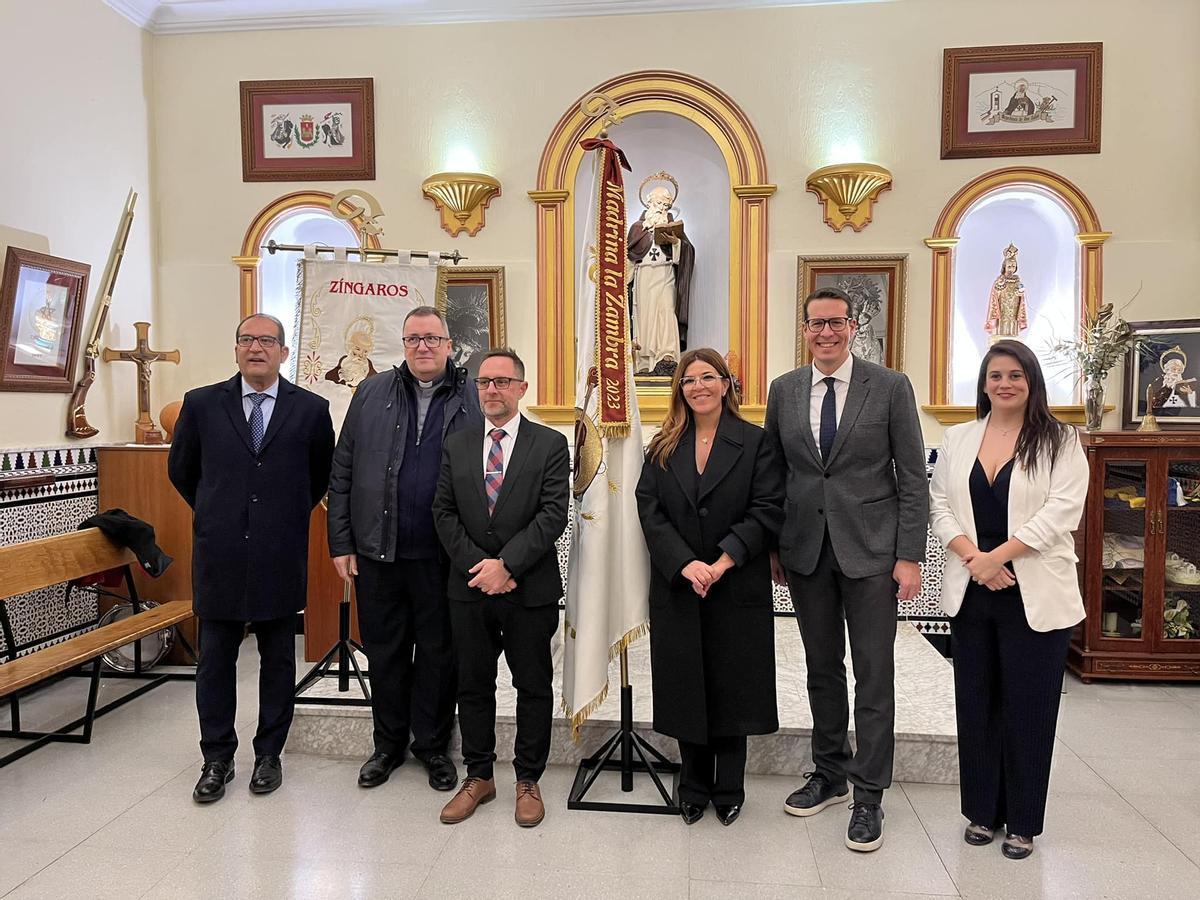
<point x="432" y="341"/>
<point x="836" y="324"/>
<point x="502" y="383"/>
<point x="708" y="379"/>
<point x="264" y="340"/>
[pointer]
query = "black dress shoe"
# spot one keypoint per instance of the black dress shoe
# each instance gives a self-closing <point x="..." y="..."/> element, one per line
<point x="691" y="813"/>
<point x="213" y="778"/>
<point x="727" y="815"/>
<point x="442" y="774"/>
<point x="865" y="832"/>
<point x="978" y="835"/>
<point x="268" y="774"/>
<point x="376" y="770"/>
<point x="1016" y="847"/>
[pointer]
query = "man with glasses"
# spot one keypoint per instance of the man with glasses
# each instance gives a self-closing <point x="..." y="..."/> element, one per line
<point x="251" y="457"/>
<point x="381" y="535"/>
<point x="851" y="546"/>
<point x="501" y="504"/>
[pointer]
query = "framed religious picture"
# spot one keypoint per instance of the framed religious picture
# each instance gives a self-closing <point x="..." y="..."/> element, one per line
<point x="473" y="304"/>
<point x="1026" y="100"/>
<point x="41" y="315"/>
<point x="1164" y="377"/>
<point x="876" y="285"/>
<point x="314" y="130"/>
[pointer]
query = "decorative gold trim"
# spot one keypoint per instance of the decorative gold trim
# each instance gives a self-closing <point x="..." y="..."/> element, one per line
<point x="461" y="198"/>
<point x="848" y="192"/>
<point x="268" y="217"/>
<point x="945" y="237"/>
<point x="729" y="127"/>
<point x="953" y="415"/>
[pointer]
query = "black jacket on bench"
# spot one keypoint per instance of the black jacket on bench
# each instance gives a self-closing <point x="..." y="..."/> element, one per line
<point x="250" y="512"/>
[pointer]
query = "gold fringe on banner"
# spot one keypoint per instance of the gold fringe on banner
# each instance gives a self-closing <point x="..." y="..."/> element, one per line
<point x="579" y="717"/>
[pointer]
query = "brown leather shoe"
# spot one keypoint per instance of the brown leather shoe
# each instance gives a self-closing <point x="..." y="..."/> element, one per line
<point x="474" y="791"/>
<point x="530" y="809"/>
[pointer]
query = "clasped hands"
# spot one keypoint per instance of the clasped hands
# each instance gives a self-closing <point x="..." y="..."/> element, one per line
<point x="703" y="576"/>
<point x="987" y="570"/>
<point x="491" y="577"/>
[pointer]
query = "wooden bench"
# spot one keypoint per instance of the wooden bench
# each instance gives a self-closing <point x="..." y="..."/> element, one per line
<point x="50" y="561"/>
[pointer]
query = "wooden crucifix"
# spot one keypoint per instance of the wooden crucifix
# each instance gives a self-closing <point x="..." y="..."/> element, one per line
<point x="145" y="431"/>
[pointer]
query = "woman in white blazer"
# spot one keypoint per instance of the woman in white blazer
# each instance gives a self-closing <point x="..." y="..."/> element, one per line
<point x="1007" y="492"/>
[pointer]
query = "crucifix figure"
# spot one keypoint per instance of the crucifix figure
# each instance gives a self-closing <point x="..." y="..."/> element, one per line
<point x="145" y="431"/>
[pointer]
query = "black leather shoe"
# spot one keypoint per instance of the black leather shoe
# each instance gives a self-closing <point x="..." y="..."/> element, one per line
<point x="691" y="813"/>
<point x="268" y="775"/>
<point x="376" y="770"/>
<point x="817" y="794"/>
<point x="978" y="835"/>
<point x="866" y="827"/>
<point x="213" y="778"/>
<point x="442" y="774"/>
<point x="727" y="815"/>
<point x="1016" y="847"/>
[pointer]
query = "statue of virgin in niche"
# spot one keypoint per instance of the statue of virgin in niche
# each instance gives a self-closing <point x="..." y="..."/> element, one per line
<point x="1006" y="315"/>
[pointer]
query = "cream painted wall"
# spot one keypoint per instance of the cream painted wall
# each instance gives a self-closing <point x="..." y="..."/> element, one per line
<point x="76" y="138"/>
<point x="809" y="78"/>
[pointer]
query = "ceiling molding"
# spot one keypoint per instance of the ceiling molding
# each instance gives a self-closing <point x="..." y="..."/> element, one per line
<point x="192" y="16"/>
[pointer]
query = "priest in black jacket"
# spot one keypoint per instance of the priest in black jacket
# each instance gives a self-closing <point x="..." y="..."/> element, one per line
<point x="251" y="456"/>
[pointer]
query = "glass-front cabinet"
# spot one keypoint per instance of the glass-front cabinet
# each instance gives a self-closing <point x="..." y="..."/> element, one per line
<point x="1139" y="548"/>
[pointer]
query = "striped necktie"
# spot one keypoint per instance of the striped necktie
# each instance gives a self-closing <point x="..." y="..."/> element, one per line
<point x="493" y="475"/>
<point x="256" y="420"/>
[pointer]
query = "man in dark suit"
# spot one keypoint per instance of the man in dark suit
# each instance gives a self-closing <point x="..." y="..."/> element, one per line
<point x="852" y="543"/>
<point x="251" y="456"/>
<point x="501" y="504"/>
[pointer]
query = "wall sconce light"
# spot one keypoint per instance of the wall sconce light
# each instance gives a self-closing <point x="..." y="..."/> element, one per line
<point x="848" y="192"/>
<point x="461" y="198"/>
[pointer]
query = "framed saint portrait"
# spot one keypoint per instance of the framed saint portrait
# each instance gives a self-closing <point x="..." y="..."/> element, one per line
<point x="473" y="303"/>
<point x="41" y="315"/>
<point x="1165" y="377"/>
<point x="315" y="130"/>
<point x="1027" y="100"/>
<point x="877" y="287"/>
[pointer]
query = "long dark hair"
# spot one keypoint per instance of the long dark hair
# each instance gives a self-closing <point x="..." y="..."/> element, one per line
<point x="679" y="414"/>
<point x="1040" y="432"/>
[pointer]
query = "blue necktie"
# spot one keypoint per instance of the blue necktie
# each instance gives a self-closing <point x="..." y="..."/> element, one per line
<point x="828" y="418"/>
<point x="256" y="420"/>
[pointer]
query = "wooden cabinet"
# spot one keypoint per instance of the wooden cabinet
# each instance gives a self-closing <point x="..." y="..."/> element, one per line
<point x="1138" y="548"/>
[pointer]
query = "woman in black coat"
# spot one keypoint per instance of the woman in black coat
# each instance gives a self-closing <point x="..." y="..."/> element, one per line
<point x="711" y="504"/>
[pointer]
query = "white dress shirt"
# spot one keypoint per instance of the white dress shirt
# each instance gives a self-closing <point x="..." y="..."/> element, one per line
<point x="506" y="443"/>
<point x="841" y="387"/>
<point x="268" y="406"/>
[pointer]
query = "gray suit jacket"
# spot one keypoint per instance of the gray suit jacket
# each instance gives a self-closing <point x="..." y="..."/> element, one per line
<point x="872" y="493"/>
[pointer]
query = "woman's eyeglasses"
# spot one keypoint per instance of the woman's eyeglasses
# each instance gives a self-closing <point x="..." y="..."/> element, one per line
<point x="708" y="379"/>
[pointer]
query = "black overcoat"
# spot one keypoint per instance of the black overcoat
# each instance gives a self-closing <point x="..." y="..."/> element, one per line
<point x="713" y="658"/>
<point x="250" y="512"/>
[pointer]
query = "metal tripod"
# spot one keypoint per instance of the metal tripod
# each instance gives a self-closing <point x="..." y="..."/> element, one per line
<point x="343" y="652"/>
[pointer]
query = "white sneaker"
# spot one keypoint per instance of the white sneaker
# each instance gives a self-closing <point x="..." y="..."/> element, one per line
<point x="1181" y="571"/>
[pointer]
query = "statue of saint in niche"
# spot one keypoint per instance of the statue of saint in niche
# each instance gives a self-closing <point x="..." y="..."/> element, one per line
<point x="660" y="276"/>
<point x="1006" y="317"/>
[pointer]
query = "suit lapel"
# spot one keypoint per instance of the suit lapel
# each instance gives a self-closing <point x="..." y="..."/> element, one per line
<point x="856" y="396"/>
<point x="285" y="402"/>
<point x="726" y="451"/>
<point x="473" y="458"/>
<point x="803" y="414"/>
<point x="232" y="402"/>
<point x="683" y="464"/>
<point x="512" y="467"/>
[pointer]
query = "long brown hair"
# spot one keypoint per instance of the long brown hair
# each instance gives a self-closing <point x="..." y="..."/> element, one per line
<point x="679" y="414"/>
<point x="1040" y="432"/>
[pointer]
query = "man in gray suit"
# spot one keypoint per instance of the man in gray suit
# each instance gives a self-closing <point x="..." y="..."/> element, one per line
<point x="851" y="546"/>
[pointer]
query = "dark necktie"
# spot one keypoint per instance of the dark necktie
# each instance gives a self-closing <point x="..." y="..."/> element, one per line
<point x="256" y="420"/>
<point x="828" y="418"/>
<point x="493" y="478"/>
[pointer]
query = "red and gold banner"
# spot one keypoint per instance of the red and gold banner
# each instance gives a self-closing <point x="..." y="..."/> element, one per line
<point x="611" y="301"/>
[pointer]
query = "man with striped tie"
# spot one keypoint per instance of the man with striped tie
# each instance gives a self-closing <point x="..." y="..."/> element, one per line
<point x="251" y="456"/>
<point x="501" y="503"/>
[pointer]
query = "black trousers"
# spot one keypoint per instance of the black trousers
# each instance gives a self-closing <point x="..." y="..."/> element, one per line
<point x="482" y="630"/>
<point x="1007" y="684"/>
<point x="714" y="772"/>
<point x="216" y="685"/>
<point x="404" y="621"/>
<point x="827" y="604"/>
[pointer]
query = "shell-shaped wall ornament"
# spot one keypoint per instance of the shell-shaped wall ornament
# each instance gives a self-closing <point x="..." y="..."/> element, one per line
<point x="848" y="192"/>
<point x="461" y="198"/>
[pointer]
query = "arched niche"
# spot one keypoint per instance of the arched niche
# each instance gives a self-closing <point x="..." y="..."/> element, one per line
<point x="1079" y="215"/>
<point x="268" y="217"/>
<point x="729" y="128"/>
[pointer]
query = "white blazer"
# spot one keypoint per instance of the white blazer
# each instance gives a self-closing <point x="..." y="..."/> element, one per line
<point x="1043" y="510"/>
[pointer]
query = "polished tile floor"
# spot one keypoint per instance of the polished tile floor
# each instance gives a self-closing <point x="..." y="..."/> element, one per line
<point x="115" y="819"/>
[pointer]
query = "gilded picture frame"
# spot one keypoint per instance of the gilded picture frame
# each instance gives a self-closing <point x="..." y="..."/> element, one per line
<point x="472" y="301"/>
<point x="1167" y="371"/>
<point x="42" y="299"/>
<point x="878" y="285"/>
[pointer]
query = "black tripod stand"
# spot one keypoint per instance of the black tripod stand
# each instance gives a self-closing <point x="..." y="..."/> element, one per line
<point x="628" y="742"/>
<point x="343" y="652"/>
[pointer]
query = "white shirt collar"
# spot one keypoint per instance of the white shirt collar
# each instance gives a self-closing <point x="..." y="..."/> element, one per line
<point x="510" y="430"/>
<point x="272" y="391"/>
<point x="842" y="373"/>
